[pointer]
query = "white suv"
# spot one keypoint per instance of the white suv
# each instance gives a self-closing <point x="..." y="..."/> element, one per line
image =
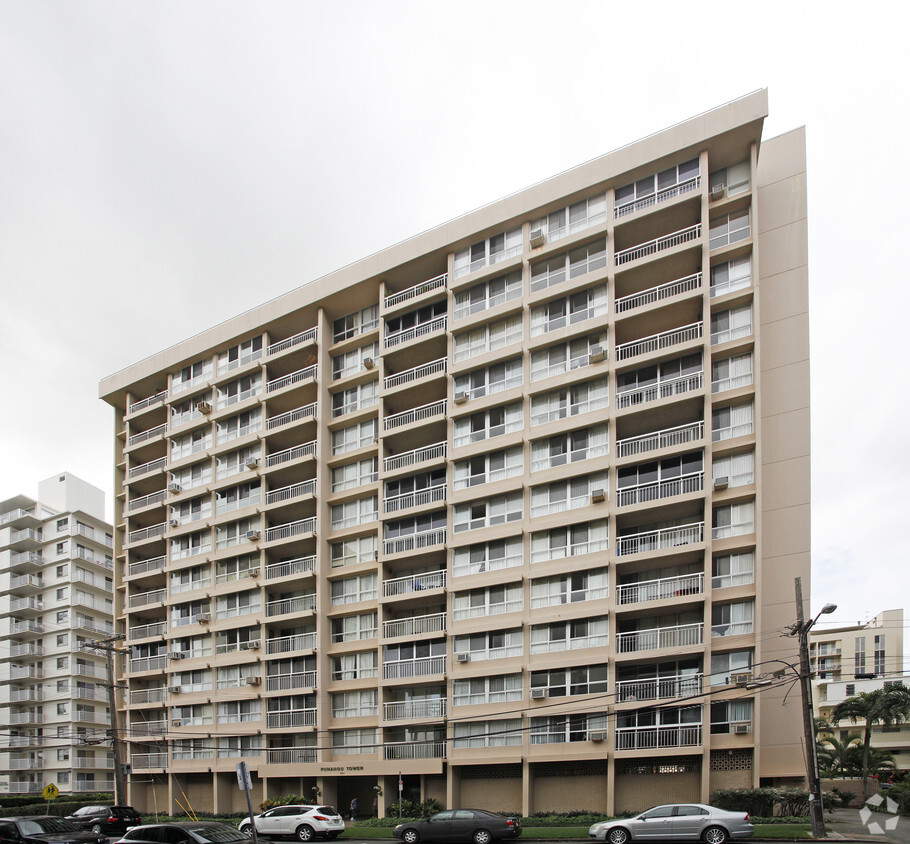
<point x="304" y="822"/>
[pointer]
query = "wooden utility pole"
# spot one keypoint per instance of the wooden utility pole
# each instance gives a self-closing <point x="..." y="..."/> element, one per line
<point x="108" y="646"/>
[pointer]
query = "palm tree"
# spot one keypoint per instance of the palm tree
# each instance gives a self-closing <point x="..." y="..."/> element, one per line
<point x="834" y="757"/>
<point x="888" y="706"/>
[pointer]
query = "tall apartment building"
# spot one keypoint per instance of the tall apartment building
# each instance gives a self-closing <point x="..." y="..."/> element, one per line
<point x="56" y="578"/>
<point x="503" y="508"/>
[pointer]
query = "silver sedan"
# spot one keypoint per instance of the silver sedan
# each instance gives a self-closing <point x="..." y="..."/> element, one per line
<point x="676" y="822"/>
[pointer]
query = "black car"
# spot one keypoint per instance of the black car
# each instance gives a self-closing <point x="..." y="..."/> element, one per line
<point x="185" y="832"/>
<point x="40" y="829"/>
<point x="111" y="820"/>
<point x="469" y="825"/>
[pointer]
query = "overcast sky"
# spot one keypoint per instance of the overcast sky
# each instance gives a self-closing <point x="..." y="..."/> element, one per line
<point x="166" y="165"/>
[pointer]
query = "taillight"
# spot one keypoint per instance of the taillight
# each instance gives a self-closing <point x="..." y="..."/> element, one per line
<point x="510" y="822"/>
<point x="112" y="820"/>
<point x="746" y="818"/>
<point x="320" y="818"/>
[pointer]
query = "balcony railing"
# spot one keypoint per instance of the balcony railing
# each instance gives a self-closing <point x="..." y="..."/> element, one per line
<point x="285" y="531"/>
<point x="428" y="708"/>
<point x="436" y="451"/>
<point x="145" y="468"/>
<point x="681" y="636"/>
<point x="287" y="644"/>
<point x="417" y="414"/>
<point x="144" y="566"/>
<point x="302" y="603"/>
<point x="291" y="718"/>
<point x="415" y="750"/>
<point x="653" y="738"/>
<point x="407" y="668"/>
<point x="662" y="390"/>
<point x="144" y="598"/>
<point x="26" y="695"/>
<point x="667" y="438"/>
<point x="661" y="588"/>
<point x="289" y="454"/>
<point x="306" y="374"/>
<point x="20" y="627"/>
<point x="34" y="558"/>
<point x="286" y="682"/>
<point x="149" y="728"/>
<point x="286" y="493"/>
<point x="154" y="695"/>
<point x="413" y="583"/>
<point x="148" y="663"/>
<point x="29" y="649"/>
<point x="409" y="334"/>
<point x="658" y="293"/>
<point x="415" y="499"/>
<point x="413" y="541"/>
<point x="662" y="340"/>
<point x="435" y="623"/>
<point x="308" y="336"/>
<point x="658" y="244"/>
<point x="416" y="290"/>
<point x="148" y="533"/>
<point x="148" y="500"/>
<point x="15" y="515"/>
<point x="291" y="756"/>
<point x="145" y="631"/>
<point x="658" y="197"/>
<point x="92" y="786"/>
<point x="295" y="415"/>
<point x="642" y="493"/>
<point x="16" y="787"/>
<point x="148" y="761"/>
<point x="300" y="565"/>
<point x="656" y="540"/>
<point x="409" y="375"/>
<point x="151" y="433"/>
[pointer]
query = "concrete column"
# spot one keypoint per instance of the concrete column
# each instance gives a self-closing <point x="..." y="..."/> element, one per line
<point x="527" y="788"/>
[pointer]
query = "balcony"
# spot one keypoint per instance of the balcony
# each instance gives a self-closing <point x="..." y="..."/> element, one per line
<point x="409" y="334"/>
<point x="146" y="631"/>
<point x="658" y="244"/>
<point x="658" y="293"/>
<point x="145" y="404"/>
<point x="410" y="709"/>
<point x="306" y="374"/>
<point x="25" y="672"/>
<point x="146" y="468"/>
<point x="288" y="644"/>
<point x="291" y="718"/>
<point x="415" y="374"/>
<point x="150" y="434"/>
<point x="142" y="599"/>
<point x="662" y="390"/>
<point x="308" y="336"/>
<point x="666" y="438"/>
<point x="658" y="638"/>
<point x="661" y="588"/>
<point x="437" y="451"/>
<point x="656" y="198"/>
<point x="26" y="650"/>
<point x="290" y="529"/>
<point x="290" y="454"/>
<point x="306" y="411"/>
<point x="26" y="695"/>
<point x="417" y="414"/>
<point x="25" y="560"/>
<point x="415" y="750"/>
<point x="435" y="623"/>
<point x="643" y="493"/>
<point x="146" y="566"/>
<point x="291" y="756"/>
<point x="655" y="738"/>
<point x="660" y="539"/>
<point x="415" y="499"/>
<point x="147" y="533"/>
<point x="17" y="515"/>
<point x="148" y="663"/>
<point x="16" y="787"/>
<point x="409" y="668"/>
<point x="416" y="290"/>
<point x="287" y="682"/>
<point x="287" y="493"/>
<point x="158" y="694"/>
<point x="657" y="342"/>
<point x="26" y="539"/>
<point x="299" y="565"/>
<point x="26" y="605"/>
<point x="147" y="500"/>
<point x="22" y="628"/>
<point x="149" y="728"/>
<point x="148" y="761"/>
<point x="414" y="541"/>
<point x="396" y="586"/>
<point x="92" y="786"/>
<point x="300" y="604"/>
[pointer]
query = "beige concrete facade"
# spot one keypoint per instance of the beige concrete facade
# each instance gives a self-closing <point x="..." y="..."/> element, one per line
<point x="502" y="508"/>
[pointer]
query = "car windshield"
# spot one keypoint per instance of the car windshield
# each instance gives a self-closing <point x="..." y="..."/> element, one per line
<point x="217" y="833"/>
<point x="43" y="826"/>
<point x="326" y="810"/>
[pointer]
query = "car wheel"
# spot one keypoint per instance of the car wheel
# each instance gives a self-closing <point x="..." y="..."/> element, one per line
<point x="247" y="830"/>
<point x="305" y="833"/>
<point x="618" y="836"/>
<point x="482" y="836"/>
<point x="410" y="836"/>
<point x="96" y="828"/>
<point x="715" y="835"/>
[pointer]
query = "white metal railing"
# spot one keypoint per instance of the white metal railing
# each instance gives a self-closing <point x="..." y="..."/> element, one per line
<point x="19" y="604"/>
<point x="661" y="588"/>
<point x="291" y="756"/>
<point x="415" y="499"/>
<point x="286" y="644"/>
<point x="413" y="583"/>
<point x="28" y="649"/>
<point x="178" y="586"/>
<point x="17" y="627"/>
<point x="302" y="603"/>
<point x="652" y="738"/>
<point x="26" y="695"/>
<point x="656" y="540"/>
<point x="286" y="682"/>
<point x="304" y="374"/>
<point x="658" y="244"/>
<point x="145" y="468"/>
<point x="657" y="197"/>
<point x="149" y="728"/>
<point x="294" y="453"/>
<point x="641" y="493"/>
<point x="289" y="529"/>
<point x="409" y="334"/>
<point x="435" y="623"/>
<point x="142" y="404"/>
<point x="23" y="672"/>
<point x="656" y="342"/>
<point x="666" y="438"/>
<point x="414" y="374"/>
<point x="26" y="718"/>
<point x="148" y="533"/>
<point x="143" y="566"/>
<point x="414" y="750"/>
<point x="286" y="493"/>
<point x="154" y="695"/>
<point x="151" y="597"/>
<point x="13" y="515"/>
<point x="436" y="451"/>
<point x="416" y="414"/>
<point x="144" y="631"/>
<point x="291" y="718"/>
<point x="16" y="787"/>
<point x="92" y="786"/>
<point x="147" y="500"/>
<point x="427" y="708"/>
<point x="146" y="761"/>
<point x="732" y="383"/>
<point x="658" y="293"/>
<point x="299" y="565"/>
<point x="662" y="390"/>
<point x="416" y="290"/>
<point x="151" y="433"/>
<point x="680" y="636"/>
<point x="413" y="541"/>
<point x="22" y="557"/>
<point x="407" y="668"/>
<point x="308" y="336"/>
<point x="26" y="534"/>
<point x="731" y="431"/>
<point x="295" y="415"/>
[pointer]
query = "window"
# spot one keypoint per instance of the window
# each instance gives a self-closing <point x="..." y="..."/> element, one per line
<point x="488" y="337"/>
<point x="195" y="373"/>
<point x="728" y="715"/>
<point x="878" y="654"/>
<point x="356" y="474"/>
<point x="488" y="468"/>
<point x="733" y="324"/>
<point x="571" y="401"/>
<point x="182" y="614"/>
<point x="356" y="666"/>
<point x="486" y="512"/>
<point x="189" y="544"/>
<point x="238" y="426"/>
<point x="414" y="490"/>
<point x="493" y="379"/>
<point x="487" y="252"/>
<point x="236" y="461"/>
<point x="734" y="178"/>
<point x="729" y="228"/>
<point x="421" y="523"/>
<point x="355" y="398"/>
<point x="735" y="469"/>
<point x="62" y="663"/>
<point x="733" y="570"/>
<point x="191" y="443"/>
<point x="237" y="497"/>
<point x="583" y="444"/>
<point x="240" y="355"/>
<point x="569" y="310"/>
<point x="580" y="680"/>
<point x="239" y="390"/>
<point x="357" y="436"/>
<point x="495" y="644"/>
<point x="354" y="741"/>
<point x="353" y="513"/>
<point x="571" y="588"/>
<point x="859" y="657"/>
<point x="493" y="600"/>
<point x="354" y="589"/>
<point x="570" y="541"/>
<point x="658" y="381"/>
<point x="487" y="556"/>
<point x="185" y="580"/>
<point x="574" y="218"/>
<point x="733" y="619"/>
<point x="488" y="424"/>
<point x="359" y="322"/>
<point x="354" y="627"/>
<point x="62" y="524"/>
<point x="564" y="357"/>
<point x="192" y="476"/>
<point x="360" y="549"/>
<point x="560" y="496"/>
<point x="237" y="746"/>
<point x="503" y="733"/>
<point x="63" y="708"/>
<point x="358" y="704"/>
<point x="62" y="617"/>
<point x="584" y="259"/>
<point x="487" y="294"/>
<point x="61" y="549"/>
<point x="729" y="422"/>
<point x="227" y="641"/>
<point x="61" y="593"/>
<point x="191" y="511"/>
<point x="731" y="275"/>
<point x="660" y="478"/>
<point x="237" y="603"/>
<point x="501" y="689"/>
<point x="239" y="711"/>
<point x="569" y="635"/>
<point x="415" y="323"/>
<point x="556" y="729"/>
<point x="648" y="190"/>
<point x="733" y="520"/>
<point x="234" y="533"/>
<point x="731" y="373"/>
<point x="352" y="362"/>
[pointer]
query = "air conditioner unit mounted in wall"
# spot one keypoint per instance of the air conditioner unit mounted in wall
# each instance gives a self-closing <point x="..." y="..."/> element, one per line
<point x="174" y="690"/>
<point x="741" y="678"/>
<point x="598" y="736"/>
<point x="537" y="694"/>
<point x="742" y="729"/>
<point x="718" y="192"/>
<point x="721" y="483"/>
<point x="203" y="618"/>
<point x="461" y="398"/>
<point x="462" y="657"/>
<point x="598" y="495"/>
<point x="252" y="535"/>
<point x="253" y="572"/>
<point x="597" y="354"/>
<point x="368" y="363"/>
<point x="203" y="407"/>
<point x="253" y="681"/>
<point x="174" y="522"/>
<point x="252" y="462"/>
<point x="175" y="655"/>
<point x="538" y="237"/>
<point x="175" y="487"/>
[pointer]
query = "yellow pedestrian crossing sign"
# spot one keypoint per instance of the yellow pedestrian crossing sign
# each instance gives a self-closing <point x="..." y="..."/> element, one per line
<point x="51" y="792"/>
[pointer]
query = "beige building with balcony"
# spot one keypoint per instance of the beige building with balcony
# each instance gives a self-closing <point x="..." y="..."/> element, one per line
<point x="56" y="597"/>
<point x="505" y="508"/>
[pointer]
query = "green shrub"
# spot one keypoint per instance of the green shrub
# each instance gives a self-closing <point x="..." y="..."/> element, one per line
<point x="411" y="809"/>
<point x="763" y="802"/>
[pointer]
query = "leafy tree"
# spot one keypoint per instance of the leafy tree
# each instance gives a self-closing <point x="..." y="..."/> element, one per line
<point x="888" y="707"/>
<point x="834" y="759"/>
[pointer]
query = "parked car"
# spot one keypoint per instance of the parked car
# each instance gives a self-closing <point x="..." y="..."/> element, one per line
<point x="46" y="830"/>
<point x="111" y="820"/>
<point x="470" y="825"/>
<point x="676" y="822"/>
<point x="184" y="832"/>
<point x="304" y="821"/>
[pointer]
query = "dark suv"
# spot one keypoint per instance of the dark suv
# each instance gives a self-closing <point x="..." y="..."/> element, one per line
<point x="107" y="820"/>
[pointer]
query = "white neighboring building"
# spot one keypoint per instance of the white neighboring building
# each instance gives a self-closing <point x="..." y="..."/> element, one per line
<point x="56" y="585"/>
